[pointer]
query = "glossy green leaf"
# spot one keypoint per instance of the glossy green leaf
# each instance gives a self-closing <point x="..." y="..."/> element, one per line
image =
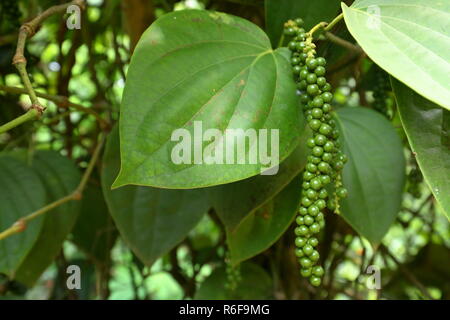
<point x="151" y="221"/>
<point x="60" y="176"/>
<point x="95" y="233"/>
<point x="198" y="68"/>
<point x="262" y="227"/>
<point x="21" y="193"/>
<point x="427" y="127"/>
<point x="410" y="39"/>
<point x="256" y="284"/>
<point x="312" y="12"/>
<point x="234" y="201"/>
<point x="374" y="174"/>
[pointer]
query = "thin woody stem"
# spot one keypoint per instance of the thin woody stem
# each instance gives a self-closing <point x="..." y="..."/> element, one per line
<point x="27" y="30"/>
<point x="21" y="224"/>
<point x="60" y="101"/>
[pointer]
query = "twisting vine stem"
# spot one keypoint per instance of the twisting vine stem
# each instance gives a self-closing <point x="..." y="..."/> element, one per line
<point x="61" y="101"/>
<point x="27" y="30"/>
<point x="325" y="25"/>
<point x="77" y="194"/>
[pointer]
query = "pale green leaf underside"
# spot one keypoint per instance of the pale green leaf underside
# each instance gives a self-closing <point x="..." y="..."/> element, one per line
<point x="202" y="66"/>
<point x="427" y="127"/>
<point x="410" y="39"/>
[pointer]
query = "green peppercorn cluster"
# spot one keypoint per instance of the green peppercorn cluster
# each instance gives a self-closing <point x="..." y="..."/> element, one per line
<point x="233" y="275"/>
<point x="326" y="161"/>
<point x="380" y="91"/>
<point x="415" y="178"/>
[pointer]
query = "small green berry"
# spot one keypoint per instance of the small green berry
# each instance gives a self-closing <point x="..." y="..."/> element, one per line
<point x="315" y="281"/>
<point x="305" y="262"/>
<point x="318" y="271"/>
<point x="315" y="124"/>
<point x="308" y="220"/>
<point x="313" y="242"/>
<point x="319" y="71"/>
<point x="321" y="140"/>
<point x="300" y="220"/>
<point x="299" y="241"/>
<point x="306" y="272"/>
<point x="312" y="89"/>
<point x="314" y="228"/>
<point x="317" y="151"/>
<point x="308" y="249"/>
<point x="313" y="210"/>
<point x="316" y="184"/>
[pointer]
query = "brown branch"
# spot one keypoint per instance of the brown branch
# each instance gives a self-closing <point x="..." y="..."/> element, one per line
<point x="344" y="43"/>
<point x="60" y="101"/>
<point x="27" y="30"/>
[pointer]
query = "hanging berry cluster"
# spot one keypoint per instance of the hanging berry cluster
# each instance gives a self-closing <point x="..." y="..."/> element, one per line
<point x="233" y="274"/>
<point x="325" y="161"/>
<point x="380" y="91"/>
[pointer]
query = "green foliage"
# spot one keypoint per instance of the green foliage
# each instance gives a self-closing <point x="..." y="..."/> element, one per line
<point x="233" y="202"/>
<point x="22" y="192"/>
<point x="142" y="226"/>
<point x="94" y="232"/>
<point x="151" y="221"/>
<point x="60" y="177"/>
<point x="427" y="126"/>
<point x="256" y="284"/>
<point x="265" y="225"/>
<point x="312" y="12"/>
<point x="222" y="89"/>
<point x="374" y="174"/>
<point x="409" y="39"/>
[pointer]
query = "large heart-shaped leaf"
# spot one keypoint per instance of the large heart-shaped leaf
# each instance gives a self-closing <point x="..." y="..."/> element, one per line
<point x="256" y="284"/>
<point x="60" y="177"/>
<point x="199" y="70"/>
<point x="312" y="12"/>
<point x="374" y="174"/>
<point x="151" y="221"/>
<point x="427" y="127"/>
<point x="234" y="201"/>
<point x="21" y="193"/>
<point x="407" y="38"/>
<point x="262" y="227"/>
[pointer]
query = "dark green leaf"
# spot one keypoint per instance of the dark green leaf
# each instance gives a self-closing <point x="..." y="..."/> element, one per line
<point x="312" y="12"/>
<point x="95" y="233"/>
<point x="374" y="174"/>
<point x="151" y="221"/>
<point x="193" y="68"/>
<point x="262" y="227"/>
<point x="427" y="126"/>
<point x="234" y="201"/>
<point x="256" y="284"/>
<point x="410" y="39"/>
<point x="60" y="177"/>
<point x="21" y="193"/>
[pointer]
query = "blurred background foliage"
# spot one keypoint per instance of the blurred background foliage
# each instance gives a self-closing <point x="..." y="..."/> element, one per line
<point x="89" y="67"/>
